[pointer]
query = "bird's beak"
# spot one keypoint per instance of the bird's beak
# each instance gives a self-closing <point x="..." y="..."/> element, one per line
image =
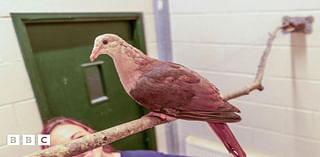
<point x="95" y="53"/>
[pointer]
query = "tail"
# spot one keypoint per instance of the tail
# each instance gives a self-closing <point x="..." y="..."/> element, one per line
<point x="228" y="139"/>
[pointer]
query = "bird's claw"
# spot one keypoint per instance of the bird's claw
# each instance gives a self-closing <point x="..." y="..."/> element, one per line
<point x="161" y="116"/>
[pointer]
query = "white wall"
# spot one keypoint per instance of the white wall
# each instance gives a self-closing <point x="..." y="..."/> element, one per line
<point x="18" y="109"/>
<point x="223" y="40"/>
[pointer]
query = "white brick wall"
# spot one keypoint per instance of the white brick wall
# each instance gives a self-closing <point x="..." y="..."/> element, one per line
<point x="223" y="40"/>
<point x="18" y="109"/>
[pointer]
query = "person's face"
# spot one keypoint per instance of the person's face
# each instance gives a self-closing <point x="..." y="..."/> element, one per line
<point x="67" y="132"/>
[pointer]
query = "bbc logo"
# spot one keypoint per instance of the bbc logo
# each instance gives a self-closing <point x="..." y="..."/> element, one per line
<point x="28" y="140"/>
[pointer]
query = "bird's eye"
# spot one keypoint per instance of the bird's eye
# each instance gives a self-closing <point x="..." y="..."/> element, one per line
<point x="105" y="41"/>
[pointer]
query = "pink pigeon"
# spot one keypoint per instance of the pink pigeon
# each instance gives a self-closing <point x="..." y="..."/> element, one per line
<point x="170" y="90"/>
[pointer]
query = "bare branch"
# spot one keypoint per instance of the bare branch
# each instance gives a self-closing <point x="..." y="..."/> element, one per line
<point x="100" y="138"/>
<point x="257" y="83"/>
<point x="110" y="135"/>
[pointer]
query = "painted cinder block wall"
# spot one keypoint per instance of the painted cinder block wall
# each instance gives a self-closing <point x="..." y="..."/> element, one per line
<point x="18" y="110"/>
<point x="223" y="40"/>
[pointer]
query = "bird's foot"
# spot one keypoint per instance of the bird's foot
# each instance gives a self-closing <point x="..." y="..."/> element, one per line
<point x="162" y="116"/>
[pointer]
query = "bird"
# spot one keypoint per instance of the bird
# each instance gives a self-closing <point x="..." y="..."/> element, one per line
<point x="170" y="90"/>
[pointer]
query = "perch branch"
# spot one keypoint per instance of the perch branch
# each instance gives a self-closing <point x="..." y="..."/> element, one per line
<point x="257" y="83"/>
<point x="100" y="138"/>
<point x="110" y="135"/>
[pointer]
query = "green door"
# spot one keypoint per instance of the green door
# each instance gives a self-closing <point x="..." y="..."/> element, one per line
<point x="66" y="83"/>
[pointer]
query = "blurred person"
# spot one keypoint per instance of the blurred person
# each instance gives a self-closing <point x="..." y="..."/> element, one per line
<point x="64" y="130"/>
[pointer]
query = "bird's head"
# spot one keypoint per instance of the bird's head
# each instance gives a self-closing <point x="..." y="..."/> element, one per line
<point x="105" y="44"/>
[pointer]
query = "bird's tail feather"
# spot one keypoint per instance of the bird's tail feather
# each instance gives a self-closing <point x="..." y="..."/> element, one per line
<point x="228" y="139"/>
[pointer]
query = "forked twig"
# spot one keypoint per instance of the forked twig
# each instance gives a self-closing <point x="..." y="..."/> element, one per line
<point x="257" y="83"/>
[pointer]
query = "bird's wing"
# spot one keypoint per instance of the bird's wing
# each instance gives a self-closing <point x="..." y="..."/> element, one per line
<point x="180" y="92"/>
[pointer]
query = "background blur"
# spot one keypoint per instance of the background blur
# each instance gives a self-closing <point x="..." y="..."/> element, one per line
<point x="222" y="40"/>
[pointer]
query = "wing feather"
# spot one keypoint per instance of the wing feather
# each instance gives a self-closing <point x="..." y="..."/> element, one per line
<point x="177" y="91"/>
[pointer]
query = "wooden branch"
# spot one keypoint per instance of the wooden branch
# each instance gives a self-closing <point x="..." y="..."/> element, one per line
<point x="100" y="138"/>
<point x="110" y="135"/>
<point x="257" y="83"/>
